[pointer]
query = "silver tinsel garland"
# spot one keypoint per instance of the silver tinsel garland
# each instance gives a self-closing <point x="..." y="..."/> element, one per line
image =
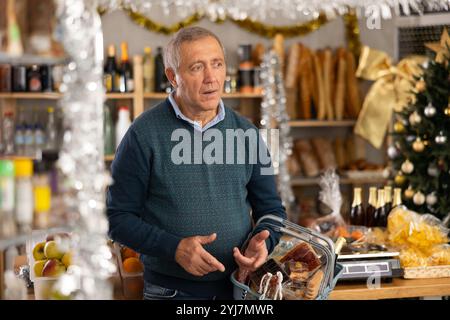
<point x="274" y="115"/>
<point x="81" y="158"/>
<point x="290" y="10"/>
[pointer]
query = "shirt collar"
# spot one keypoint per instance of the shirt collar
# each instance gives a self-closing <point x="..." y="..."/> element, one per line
<point x="218" y="118"/>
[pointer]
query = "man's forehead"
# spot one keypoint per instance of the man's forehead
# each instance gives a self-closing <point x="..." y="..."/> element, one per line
<point x="207" y="47"/>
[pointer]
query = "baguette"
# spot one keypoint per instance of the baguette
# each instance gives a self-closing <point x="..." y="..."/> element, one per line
<point x="278" y="47"/>
<point x="304" y="89"/>
<point x="292" y="67"/>
<point x="308" y="160"/>
<point x="340" y="84"/>
<point x="321" y="108"/>
<point x="353" y="97"/>
<point x="326" y="58"/>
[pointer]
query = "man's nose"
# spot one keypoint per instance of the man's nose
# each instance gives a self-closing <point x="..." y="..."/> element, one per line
<point x="209" y="75"/>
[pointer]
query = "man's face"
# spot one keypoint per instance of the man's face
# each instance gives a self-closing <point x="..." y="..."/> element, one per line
<point x="201" y="74"/>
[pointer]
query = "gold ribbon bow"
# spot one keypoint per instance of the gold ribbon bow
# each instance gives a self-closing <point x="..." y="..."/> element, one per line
<point x="390" y="92"/>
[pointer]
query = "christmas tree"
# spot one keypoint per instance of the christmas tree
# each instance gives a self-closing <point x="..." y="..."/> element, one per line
<point x="420" y="152"/>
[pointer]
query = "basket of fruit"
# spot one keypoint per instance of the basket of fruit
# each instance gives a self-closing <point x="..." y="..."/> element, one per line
<point x="301" y="267"/>
<point x="49" y="257"/>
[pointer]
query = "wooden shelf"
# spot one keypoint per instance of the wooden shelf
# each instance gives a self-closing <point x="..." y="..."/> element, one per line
<point x="119" y="96"/>
<point x="31" y="95"/>
<point x="161" y="95"/>
<point x="399" y="288"/>
<point x="109" y="157"/>
<point x="321" y="123"/>
<point x="305" y="181"/>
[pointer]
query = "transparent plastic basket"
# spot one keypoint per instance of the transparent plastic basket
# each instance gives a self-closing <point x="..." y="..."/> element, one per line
<point x="321" y="244"/>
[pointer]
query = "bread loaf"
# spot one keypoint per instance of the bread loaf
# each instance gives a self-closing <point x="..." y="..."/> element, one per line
<point x="308" y="160"/>
<point x="353" y="97"/>
<point x="339" y="101"/>
<point x="325" y="153"/>
<point x="321" y="107"/>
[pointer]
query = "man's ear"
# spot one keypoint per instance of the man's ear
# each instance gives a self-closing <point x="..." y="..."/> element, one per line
<point x="170" y="74"/>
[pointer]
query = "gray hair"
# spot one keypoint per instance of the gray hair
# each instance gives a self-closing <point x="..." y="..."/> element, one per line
<point x="172" y="50"/>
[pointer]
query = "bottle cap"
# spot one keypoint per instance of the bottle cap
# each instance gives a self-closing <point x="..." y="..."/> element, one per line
<point x="24" y="167"/>
<point x="50" y="109"/>
<point x="6" y="168"/>
<point x="147" y="50"/>
<point x="124" y="108"/>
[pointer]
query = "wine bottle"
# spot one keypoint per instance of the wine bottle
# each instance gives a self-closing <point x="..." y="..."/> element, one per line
<point x="388" y="198"/>
<point x="357" y="214"/>
<point x="380" y="212"/>
<point x="370" y="211"/>
<point x="126" y="71"/>
<point x="149" y="70"/>
<point x="110" y="72"/>
<point x="161" y="82"/>
<point x="397" y="198"/>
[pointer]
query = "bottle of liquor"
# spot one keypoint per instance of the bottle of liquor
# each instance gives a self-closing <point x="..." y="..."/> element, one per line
<point x="126" y="71"/>
<point x="34" y="79"/>
<point x="110" y="72"/>
<point x="371" y="206"/>
<point x="380" y="212"/>
<point x="388" y="198"/>
<point x="149" y="70"/>
<point x="397" y="198"/>
<point x="108" y="131"/>
<point x="46" y="78"/>
<point x="160" y="75"/>
<point x="51" y="132"/>
<point x="8" y="133"/>
<point x="357" y="214"/>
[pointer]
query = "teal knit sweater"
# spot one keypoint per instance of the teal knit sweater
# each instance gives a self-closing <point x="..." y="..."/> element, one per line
<point x="154" y="203"/>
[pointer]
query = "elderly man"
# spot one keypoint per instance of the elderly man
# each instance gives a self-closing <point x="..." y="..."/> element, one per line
<point x="189" y="219"/>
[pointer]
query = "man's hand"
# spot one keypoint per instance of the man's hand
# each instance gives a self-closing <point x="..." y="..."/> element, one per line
<point x="194" y="258"/>
<point x="255" y="255"/>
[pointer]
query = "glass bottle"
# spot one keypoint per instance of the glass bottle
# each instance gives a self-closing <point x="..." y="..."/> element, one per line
<point x="51" y="132"/>
<point x="149" y="70"/>
<point x="8" y="133"/>
<point x="397" y="201"/>
<point x="357" y="214"/>
<point x="371" y="207"/>
<point x="388" y="198"/>
<point x="24" y="194"/>
<point x="7" y="197"/>
<point x="110" y="71"/>
<point x="380" y="212"/>
<point x="126" y="71"/>
<point x="108" y="131"/>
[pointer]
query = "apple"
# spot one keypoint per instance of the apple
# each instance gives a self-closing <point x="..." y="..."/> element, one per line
<point x="38" y="267"/>
<point x="51" y="250"/>
<point x="38" y="251"/>
<point x="53" y="268"/>
<point x="67" y="259"/>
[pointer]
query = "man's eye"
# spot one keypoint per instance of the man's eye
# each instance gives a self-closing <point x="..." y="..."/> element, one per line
<point x="218" y="64"/>
<point x="197" y="67"/>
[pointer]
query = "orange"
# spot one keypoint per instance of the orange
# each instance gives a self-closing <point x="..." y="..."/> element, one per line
<point x="132" y="265"/>
<point x="128" y="253"/>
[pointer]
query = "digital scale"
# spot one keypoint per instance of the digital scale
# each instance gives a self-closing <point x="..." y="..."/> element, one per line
<point x="361" y="267"/>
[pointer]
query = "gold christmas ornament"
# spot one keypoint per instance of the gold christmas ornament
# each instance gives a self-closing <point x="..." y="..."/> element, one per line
<point x="409" y="193"/>
<point x="418" y="145"/>
<point x="447" y="111"/>
<point x="421" y="85"/>
<point x="399" y="127"/>
<point x="441" y="48"/>
<point x="399" y="179"/>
